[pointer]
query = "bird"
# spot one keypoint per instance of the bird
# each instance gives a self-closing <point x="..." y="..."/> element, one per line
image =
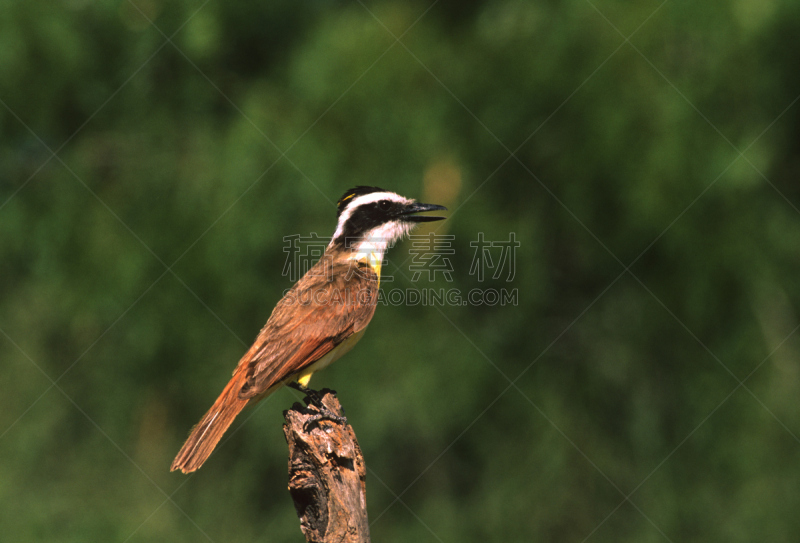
<point x="319" y="319"/>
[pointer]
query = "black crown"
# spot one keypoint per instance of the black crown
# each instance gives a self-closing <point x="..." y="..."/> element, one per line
<point x="353" y="193"/>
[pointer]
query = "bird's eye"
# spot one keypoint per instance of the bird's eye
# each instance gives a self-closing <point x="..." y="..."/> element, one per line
<point x="384" y="205"/>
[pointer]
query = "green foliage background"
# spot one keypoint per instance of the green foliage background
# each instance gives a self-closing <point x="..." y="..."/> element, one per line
<point x="645" y="388"/>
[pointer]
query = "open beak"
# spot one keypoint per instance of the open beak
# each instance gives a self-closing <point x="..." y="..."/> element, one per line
<point x="408" y="212"/>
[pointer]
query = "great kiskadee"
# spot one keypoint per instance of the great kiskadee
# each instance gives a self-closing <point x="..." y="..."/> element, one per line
<point x="320" y="318"/>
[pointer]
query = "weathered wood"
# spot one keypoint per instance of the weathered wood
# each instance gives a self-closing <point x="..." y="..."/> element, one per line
<point x="327" y="474"/>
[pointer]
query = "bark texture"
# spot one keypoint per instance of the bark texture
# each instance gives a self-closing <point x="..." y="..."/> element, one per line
<point x="327" y="474"/>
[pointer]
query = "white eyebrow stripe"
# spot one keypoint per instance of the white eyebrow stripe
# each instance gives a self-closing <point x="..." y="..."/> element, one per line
<point x="365" y="199"/>
<point x="375" y="197"/>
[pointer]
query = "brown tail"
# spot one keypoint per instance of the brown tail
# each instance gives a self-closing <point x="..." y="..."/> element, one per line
<point x="207" y="433"/>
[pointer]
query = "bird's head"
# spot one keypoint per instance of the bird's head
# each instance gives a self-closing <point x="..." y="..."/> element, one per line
<point x="372" y="218"/>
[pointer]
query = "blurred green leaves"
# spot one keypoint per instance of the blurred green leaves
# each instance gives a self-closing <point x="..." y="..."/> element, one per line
<point x="652" y="187"/>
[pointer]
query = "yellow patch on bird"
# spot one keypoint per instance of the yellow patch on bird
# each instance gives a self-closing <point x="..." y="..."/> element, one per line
<point x="375" y="262"/>
<point x="305" y="375"/>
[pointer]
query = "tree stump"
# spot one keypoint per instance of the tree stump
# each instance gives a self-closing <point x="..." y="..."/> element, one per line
<point x="327" y="474"/>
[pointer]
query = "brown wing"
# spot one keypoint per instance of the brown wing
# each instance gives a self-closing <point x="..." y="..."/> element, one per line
<point x="334" y="300"/>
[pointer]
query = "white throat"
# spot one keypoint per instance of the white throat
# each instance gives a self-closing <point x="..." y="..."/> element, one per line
<point x="372" y="247"/>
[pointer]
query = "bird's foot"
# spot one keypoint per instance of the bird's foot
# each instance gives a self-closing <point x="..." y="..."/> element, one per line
<point x="315" y="399"/>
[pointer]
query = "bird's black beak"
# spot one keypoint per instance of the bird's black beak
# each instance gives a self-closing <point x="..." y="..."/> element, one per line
<point x="409" y="210"/>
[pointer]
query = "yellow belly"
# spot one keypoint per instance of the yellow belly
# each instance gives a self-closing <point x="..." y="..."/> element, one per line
<point x="305" y="376"/>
